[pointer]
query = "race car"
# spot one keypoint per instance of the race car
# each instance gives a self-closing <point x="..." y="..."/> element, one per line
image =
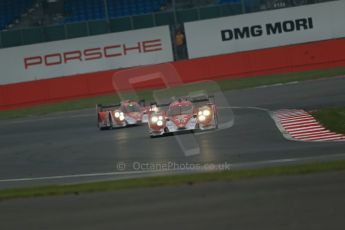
<point x="128" y="112"/>
<point x="183" y="115"/>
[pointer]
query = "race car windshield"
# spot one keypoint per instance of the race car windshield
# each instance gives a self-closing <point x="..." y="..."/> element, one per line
<point x="131" y="108"/>
<point x="180" y="110"/>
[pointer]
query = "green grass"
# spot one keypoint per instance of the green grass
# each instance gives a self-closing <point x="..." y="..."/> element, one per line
<point x="176" y="180"/>
<point x="332" y="118"/>
<point x="240" y="83"/>
<point x="281" y="78"/>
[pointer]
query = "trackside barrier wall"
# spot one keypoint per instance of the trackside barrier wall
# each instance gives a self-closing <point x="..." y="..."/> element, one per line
<point x="291" y="58"/>
<point x="85" y="55"/>
<point x="268" y="29"/>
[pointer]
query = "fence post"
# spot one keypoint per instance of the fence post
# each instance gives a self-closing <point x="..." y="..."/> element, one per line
<point x="243" y="7"/>
<point x="106" y="10"/>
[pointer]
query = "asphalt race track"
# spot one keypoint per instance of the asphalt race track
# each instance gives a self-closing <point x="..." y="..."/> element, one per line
<point x="68" y="148"/>
<point x="314" y="201"/>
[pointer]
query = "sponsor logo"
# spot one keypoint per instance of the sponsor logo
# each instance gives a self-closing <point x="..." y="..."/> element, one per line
<point x="94" y="53"/>
<point x="181" y="119"/>
<point x="267" y="29"/>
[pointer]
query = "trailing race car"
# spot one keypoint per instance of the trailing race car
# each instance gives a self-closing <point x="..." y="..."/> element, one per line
<point x="183" y="115"/>
<point x="126" y="113"/>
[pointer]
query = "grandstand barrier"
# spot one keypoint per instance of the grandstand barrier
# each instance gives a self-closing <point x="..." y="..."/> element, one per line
<point x="292" y="58"/>
<point x="83" y="28"/>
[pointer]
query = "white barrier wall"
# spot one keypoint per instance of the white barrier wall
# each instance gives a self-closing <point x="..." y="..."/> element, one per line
<point x="85" y="55"/>
<point x="266" y="29"/>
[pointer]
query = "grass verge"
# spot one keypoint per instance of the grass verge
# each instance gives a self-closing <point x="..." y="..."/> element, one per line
<point x="332" y="118"/>
<point x="147" y="94"/>
<point x="175" y="180"/>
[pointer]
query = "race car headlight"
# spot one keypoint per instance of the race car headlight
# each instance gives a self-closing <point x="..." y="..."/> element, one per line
<point x="206" y="112"/>
<point x="154" y="109"/>
<point x="159" y="122"/>
<point x="119" y="115"/>
<point x="154" y="119"/>
<point x="201" y="118"/>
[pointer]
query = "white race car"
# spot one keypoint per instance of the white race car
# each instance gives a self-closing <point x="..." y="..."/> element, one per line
<point x="126" y="113"/>
<point x="183" y="115"/>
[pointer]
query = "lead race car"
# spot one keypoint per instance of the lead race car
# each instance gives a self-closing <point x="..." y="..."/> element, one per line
<point x="128" y="112"/>
<point x="183" y="115"/>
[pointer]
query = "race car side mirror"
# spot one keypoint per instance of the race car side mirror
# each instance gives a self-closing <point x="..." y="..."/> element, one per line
<point x="142" y="102"/>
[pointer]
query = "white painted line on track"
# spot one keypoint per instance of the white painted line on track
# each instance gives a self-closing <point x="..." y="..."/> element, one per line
<point x="297" y="121"/>
<point x="292" y="160"/>
<point x="73" y="176"/>
<point x="299" y="117"/>
<point x="277" y="84"/>
<point x="326" y="137"/>
<point x="308" y="130"/>
<point x="143" y="172"/>
<point x="310" y="134"/>
<point x="311" y="127"/>
<point x="39" y="119"/>
<point x="242" y="107"/>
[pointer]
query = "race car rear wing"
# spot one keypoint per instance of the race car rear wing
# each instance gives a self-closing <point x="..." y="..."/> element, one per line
<point x="160" y="105"/>
<point x="196" y="100"/>
<point x="101" y="108"/>
<point x="200" y="100"/>
<point x="208" y="99"/>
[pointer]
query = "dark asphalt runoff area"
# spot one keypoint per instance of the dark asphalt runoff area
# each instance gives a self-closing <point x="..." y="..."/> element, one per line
<point x="68" y="148"/>
<point x="314" y="201"/>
